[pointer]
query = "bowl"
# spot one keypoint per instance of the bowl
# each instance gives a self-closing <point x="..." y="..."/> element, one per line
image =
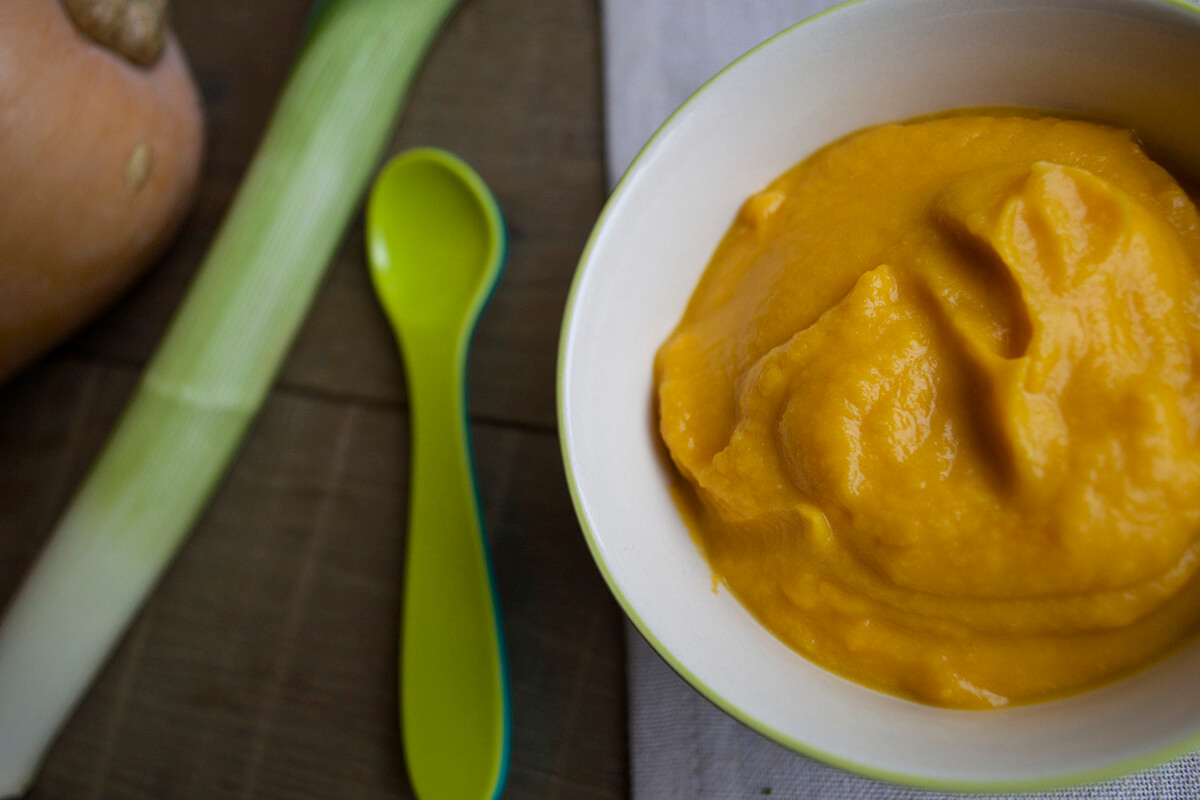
<point x="1131" y="62"/>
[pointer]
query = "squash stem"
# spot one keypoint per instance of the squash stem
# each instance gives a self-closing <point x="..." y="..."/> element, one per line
<point x="137" y="29"/>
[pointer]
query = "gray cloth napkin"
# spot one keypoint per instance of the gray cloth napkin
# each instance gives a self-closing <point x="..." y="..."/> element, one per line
<point x="657" y="52"/>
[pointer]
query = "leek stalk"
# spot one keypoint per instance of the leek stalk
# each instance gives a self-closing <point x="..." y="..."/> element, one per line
<point x="212" y="372"/>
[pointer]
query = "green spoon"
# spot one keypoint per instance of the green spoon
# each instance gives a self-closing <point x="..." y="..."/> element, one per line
<point x="436" y="245"/>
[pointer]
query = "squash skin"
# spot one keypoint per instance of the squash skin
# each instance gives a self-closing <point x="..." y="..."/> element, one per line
<point x="99" y="162"/>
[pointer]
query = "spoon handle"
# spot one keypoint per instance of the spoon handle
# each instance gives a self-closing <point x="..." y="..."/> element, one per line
<point x="454" y="693"/>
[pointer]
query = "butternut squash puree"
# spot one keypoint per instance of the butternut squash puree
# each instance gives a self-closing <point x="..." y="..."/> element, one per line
<point x="937" y="408"/>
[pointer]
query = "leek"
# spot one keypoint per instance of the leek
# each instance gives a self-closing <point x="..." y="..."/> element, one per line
<point x="212" y="372"/>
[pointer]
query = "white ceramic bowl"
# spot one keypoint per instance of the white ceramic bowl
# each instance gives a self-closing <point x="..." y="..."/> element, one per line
<point x="1134" y="62"/>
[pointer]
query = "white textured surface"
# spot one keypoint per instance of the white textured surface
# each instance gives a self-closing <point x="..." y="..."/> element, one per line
<point x="657" y="52"/>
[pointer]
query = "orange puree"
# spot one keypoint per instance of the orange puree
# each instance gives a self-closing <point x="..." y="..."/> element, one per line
<point x="937" y="408"/>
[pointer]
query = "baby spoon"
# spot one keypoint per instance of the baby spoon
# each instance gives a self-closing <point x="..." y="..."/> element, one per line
<point x="436" y="246"/>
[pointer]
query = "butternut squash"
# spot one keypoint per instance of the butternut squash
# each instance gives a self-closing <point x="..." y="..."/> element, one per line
<point x="101" y="135"/>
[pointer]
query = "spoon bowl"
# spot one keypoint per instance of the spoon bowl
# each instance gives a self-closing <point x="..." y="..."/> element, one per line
<point x="436" y="247"/>
<point x="435" y="240"/>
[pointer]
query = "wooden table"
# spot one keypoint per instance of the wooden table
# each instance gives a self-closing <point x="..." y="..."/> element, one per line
<point x="264" y="665"/>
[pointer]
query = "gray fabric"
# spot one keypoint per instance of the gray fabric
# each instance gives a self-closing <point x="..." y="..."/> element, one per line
<point x="657" y="52"/>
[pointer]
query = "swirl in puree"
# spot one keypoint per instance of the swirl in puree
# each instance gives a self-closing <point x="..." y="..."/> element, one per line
<point x="936" y="406"/>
